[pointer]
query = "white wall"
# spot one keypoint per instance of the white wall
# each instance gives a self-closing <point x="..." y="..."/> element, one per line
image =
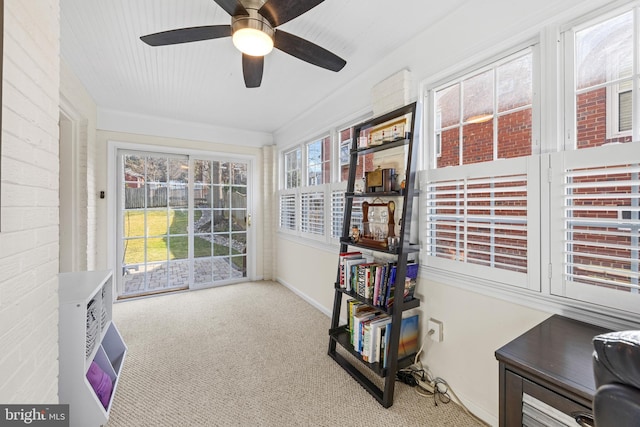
<point x="29" y="203"/>
<point x="475" y="325"/>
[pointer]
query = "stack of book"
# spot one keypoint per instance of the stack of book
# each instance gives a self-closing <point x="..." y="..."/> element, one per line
<point x="370" y="330"/>
<point x="374" y="281"/>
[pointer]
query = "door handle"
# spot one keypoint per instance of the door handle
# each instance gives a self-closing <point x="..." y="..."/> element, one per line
<point x="249" y="220"/>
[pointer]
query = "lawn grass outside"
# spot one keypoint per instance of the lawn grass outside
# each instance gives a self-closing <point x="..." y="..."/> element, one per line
<point x="173" y="245"/>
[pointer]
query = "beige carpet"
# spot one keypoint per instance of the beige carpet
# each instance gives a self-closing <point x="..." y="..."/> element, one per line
<point x="252" y="354"/>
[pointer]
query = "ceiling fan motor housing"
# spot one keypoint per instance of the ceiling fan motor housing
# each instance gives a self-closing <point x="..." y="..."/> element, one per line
<point x="253" y="21"/>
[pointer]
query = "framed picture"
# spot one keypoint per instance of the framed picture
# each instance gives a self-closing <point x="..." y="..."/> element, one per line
<point x="345" y="148"/>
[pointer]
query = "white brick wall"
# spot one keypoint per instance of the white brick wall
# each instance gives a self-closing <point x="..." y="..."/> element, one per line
<point x="391" y="93"/>
<point x="269" y="204"/>
<point x="29" y="203"/>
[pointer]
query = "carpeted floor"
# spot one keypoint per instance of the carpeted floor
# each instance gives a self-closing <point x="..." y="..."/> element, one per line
<point x="252" y="354"/>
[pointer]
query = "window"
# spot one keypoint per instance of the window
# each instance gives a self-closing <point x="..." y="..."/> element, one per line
<point x="486" y="115"/>
<point x="318" y="161"/>
<point x="344" y="148"/>
<point x="604" y="80"/>
<point x="595" y="185"/>
<point x="479" y="186"/>
<point x="313" y="189"/>
<point x="293" y="168"/>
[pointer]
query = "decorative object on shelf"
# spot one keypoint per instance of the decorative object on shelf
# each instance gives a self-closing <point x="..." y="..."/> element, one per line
<point x="380" y="180"/>
<point x="363" y="141"/>
<point x="393" y="243"/>
<point x="378" y="224"/>
<point x="388" y="132"/>
<point x="355" y="234"/>
<point x="374" y="180"/>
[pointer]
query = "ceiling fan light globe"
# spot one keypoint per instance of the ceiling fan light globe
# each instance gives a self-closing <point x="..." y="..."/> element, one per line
<point x="252" y="42"/>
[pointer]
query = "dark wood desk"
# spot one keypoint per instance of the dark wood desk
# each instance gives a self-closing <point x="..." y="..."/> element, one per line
<point x="552" y="363"/>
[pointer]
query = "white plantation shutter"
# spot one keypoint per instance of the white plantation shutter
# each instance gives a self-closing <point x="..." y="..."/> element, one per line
<point x="312" y="212"/>
<point x="337" y="213"/>
<point x="599" y="225"/>
<point x="482" y="222"/>
<point x="288" y="211"/>
<point x="356" y="213"/>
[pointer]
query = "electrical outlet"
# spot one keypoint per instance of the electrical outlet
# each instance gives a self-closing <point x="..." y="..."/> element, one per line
<point x="435" y="326"/>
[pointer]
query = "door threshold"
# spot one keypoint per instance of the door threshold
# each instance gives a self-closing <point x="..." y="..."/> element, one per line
<point x="151" y="293"/>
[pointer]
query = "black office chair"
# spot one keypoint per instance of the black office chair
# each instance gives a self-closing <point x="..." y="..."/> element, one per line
<point x="616" y="365"/>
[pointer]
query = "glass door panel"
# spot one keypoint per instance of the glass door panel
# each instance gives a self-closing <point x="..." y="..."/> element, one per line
<point x="154" y="243"/>
<point x="222" y="223"/>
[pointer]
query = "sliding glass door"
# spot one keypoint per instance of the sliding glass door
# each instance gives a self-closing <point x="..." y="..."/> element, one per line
<point x="183" y="222"/>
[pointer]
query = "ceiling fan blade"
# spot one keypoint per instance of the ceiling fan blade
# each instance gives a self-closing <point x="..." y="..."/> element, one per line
<point x="186" y="35"/>
<point x="252" y="67"/>
<point x="232" y="7"/>
<point x="278" y="12"/>
<point x="307" y="51"/>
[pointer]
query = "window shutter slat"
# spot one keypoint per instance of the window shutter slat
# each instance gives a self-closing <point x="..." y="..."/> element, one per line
<point x="602" y="226"/>
<point x="288" y="211"/>
<point x="312" y="212"/>
<point x="480" y="220"/>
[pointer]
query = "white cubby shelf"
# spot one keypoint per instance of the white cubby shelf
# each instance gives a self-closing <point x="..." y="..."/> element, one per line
<point x="87" y="334"/>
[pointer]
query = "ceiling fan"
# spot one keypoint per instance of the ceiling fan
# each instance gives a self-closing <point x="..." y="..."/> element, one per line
<point x="253" y="31"/>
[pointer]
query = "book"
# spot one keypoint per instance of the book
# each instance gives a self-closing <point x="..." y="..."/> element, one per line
<point x="349" y="271"/>
<point x="376" y="327"/>
<point x="410" y="281"/>
<point x="359" y="310"/>
<point x="408" y="341"/>
<point x="376" y="283"/>
<point x="364" y="275"/>
<point x="344" y="256"/>
<point x="409" y="329"/>
<point x="388" y="302"/>
<point x="366" y="338"/>
<point x="384" y="343"/>
<point x="357" y="326"/>
<point x="369" y="281"/>
<point x="351" y="303"/>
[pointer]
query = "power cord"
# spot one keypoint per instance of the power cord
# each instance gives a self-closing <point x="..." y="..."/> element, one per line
<point x="427" y="386"/>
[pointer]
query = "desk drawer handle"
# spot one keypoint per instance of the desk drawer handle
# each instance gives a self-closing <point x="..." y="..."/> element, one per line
<point x="584" y="419"/>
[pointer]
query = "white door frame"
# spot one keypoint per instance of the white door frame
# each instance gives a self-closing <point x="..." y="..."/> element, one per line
<point x="112" y="205"/>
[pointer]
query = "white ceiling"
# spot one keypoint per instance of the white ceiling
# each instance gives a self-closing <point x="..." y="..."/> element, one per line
<point x="202" y="82"/>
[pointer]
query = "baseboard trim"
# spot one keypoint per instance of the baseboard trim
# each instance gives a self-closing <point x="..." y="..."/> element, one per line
<point x="477" y="411"/>
<point x="326" y="311"/>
